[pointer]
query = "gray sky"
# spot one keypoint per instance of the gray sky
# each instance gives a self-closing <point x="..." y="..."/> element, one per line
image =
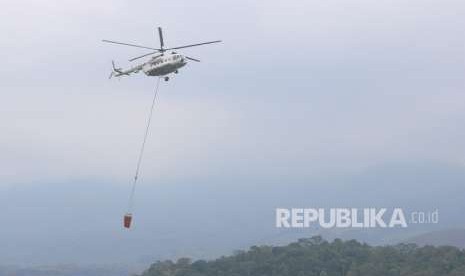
<point x="325" y="84"/>
<point x="297" y="88"/>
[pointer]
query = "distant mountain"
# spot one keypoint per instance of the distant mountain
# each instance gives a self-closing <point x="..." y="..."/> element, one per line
<point x="452" y="237"/>
<point x="66" y="270"/>
<point x="206" y="218"/>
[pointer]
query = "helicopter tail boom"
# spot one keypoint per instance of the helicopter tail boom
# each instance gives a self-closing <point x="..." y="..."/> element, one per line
<point x="118" y="72"/>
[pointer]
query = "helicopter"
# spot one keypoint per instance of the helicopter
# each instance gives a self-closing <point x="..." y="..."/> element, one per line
<point x="166" y="61"/>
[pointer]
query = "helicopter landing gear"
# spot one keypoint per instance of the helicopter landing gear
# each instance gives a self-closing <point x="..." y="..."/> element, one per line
<point x="167" y="78"/>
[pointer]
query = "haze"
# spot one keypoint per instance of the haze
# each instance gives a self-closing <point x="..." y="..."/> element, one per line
<point x="305" y="103"/>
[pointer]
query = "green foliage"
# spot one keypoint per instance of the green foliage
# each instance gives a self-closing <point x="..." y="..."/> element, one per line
<point x="317" y="257"/>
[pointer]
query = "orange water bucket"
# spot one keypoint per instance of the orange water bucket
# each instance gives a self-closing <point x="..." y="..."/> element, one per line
<point x="127" y="220"/>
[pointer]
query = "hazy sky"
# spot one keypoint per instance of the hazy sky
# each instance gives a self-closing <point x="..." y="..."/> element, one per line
<point x="322" y="84"/>
<point x="301" y="88"/>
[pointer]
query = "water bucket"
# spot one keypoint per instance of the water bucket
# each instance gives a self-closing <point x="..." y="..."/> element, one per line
<point x="127" y="220"/>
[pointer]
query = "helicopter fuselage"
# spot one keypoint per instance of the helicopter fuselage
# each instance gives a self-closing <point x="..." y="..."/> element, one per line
<point x="164" y="65"/>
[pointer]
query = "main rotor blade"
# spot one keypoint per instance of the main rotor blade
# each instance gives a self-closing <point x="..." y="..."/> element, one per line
<point x="193" y="45"/>
<point x="160" y="34"/>
<point x="151" y="53"/>
<point x="194" y="59"/>
<point x="129" y="44"/>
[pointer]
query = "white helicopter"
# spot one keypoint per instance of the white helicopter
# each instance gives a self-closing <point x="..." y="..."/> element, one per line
<point x="160" y="65"/>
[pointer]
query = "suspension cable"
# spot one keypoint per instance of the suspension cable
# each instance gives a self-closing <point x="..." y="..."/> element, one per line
<point x="141" y="152"/>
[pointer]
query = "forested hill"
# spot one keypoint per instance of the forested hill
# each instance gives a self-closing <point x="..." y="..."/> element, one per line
<point x="317" y="257"/>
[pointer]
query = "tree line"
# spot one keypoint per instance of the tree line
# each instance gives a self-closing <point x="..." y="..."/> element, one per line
<point x="317" y="257"/>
